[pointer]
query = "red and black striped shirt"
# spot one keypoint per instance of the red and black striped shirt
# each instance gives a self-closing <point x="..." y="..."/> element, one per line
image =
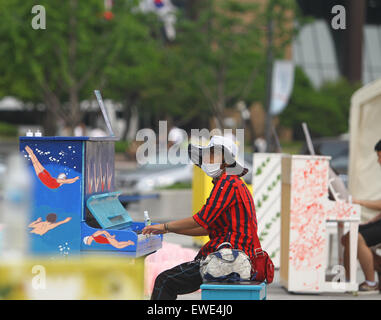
<point x="228" y="218"/>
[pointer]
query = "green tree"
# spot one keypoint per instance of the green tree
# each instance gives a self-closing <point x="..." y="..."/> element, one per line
<point x="74" y="55"/>
<point x="225" y="52"/>
<point x="138" y="69"/>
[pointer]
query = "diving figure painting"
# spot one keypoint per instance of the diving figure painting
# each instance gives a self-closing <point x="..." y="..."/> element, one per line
<point x="44" y="176"/>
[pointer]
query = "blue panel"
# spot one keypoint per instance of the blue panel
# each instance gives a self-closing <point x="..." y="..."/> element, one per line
<point x="108" y="211"/>
<point x="54" y="228"/>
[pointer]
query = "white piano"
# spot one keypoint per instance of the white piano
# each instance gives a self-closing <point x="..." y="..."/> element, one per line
<point x="305" y="212"/>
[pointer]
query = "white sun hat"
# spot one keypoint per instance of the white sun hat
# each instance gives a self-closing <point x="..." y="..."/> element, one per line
<point x="225" y="145"/>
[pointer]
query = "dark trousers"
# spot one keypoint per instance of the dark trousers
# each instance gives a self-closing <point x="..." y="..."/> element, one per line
<point x="371" y="233"/>
<point x="182" y="279"/>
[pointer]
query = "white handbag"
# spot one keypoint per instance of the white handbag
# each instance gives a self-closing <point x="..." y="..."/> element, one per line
<point x="226" y="264"/>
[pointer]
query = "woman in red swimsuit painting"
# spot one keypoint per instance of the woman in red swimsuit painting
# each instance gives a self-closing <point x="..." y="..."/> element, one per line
<point x="44" y="176"/>
<point x="103" y="237"/>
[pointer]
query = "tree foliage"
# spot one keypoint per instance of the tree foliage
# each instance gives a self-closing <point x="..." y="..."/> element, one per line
<point x="217" y="60"/>
<point x="64" y="63"/>
<point x="225" y="50"/>
<point x="325" y="110"/>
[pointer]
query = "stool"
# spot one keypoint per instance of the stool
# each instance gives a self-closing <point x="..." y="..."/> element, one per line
<point x="245" y="290"/>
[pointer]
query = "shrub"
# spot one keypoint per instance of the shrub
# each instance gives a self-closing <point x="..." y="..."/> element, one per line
<point x="325" y="110"/>
<point x="121" y="146"/>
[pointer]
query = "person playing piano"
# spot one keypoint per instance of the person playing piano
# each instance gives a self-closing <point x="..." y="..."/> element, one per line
<point x="369" y="236"/>
<point x="224" y="218"/>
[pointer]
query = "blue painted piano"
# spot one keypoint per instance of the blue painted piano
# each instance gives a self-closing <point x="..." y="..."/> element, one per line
<point x="75" y="208"/>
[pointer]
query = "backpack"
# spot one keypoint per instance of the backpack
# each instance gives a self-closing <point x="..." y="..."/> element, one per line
<point x="226" y="265"/>
<point x="263" y="267"/>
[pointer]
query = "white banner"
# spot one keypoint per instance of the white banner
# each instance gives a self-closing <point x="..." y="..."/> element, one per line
<point x="282" y="84"/>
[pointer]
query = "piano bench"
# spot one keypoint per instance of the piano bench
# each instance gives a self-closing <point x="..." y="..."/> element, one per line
<point x="245" y="290"/>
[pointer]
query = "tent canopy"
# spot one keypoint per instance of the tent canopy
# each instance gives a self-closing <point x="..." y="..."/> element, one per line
<point x="364" y="173"/>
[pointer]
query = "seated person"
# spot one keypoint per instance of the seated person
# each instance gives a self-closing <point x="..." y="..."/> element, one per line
<point x="224" y="217"/>
<point x="369" y="236"/>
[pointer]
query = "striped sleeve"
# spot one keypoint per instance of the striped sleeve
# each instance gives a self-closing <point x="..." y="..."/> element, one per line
<point x="220" y="198"/>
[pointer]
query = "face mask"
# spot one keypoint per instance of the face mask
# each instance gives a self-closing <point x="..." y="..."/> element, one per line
<point x="212" y="169"/>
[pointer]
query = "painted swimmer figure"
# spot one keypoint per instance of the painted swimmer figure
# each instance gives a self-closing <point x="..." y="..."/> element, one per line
<point x="41" y="227"/>
<point x="44" y="175"/>
<point x="103" y="237"/>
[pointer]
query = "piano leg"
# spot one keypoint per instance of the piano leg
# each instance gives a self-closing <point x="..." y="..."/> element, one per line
<point x="340" y="233"/>
<point x="353" y="239"/>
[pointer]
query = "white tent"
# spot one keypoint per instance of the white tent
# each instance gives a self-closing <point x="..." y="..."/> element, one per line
<point x="364" y="172"/>
<point x="11" y="104"/>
